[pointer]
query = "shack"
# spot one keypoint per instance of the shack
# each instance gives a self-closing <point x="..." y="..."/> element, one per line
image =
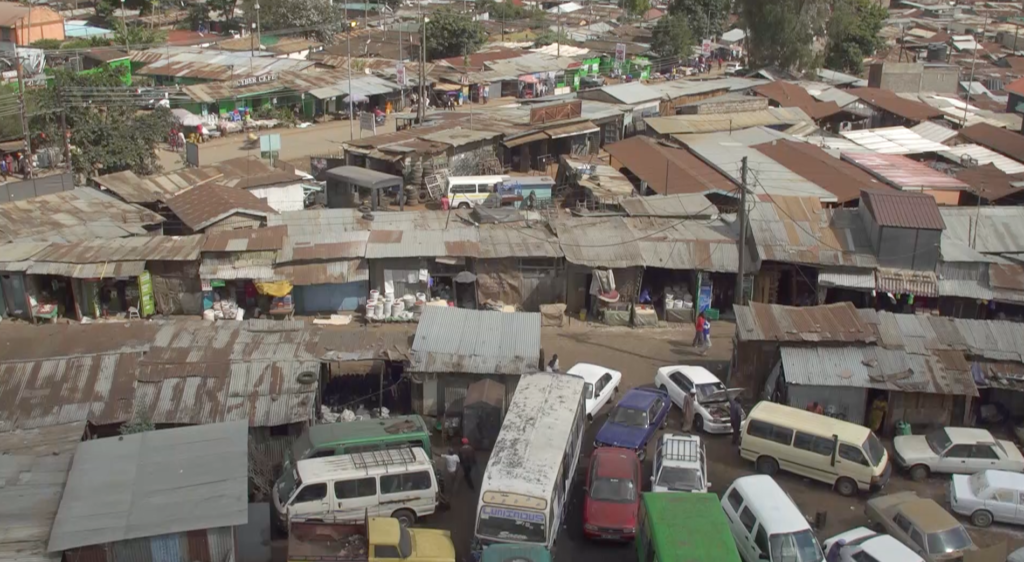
<point x="454" y="348"/>
<point x="180" y="492"/>
<point x="351" y="187"/>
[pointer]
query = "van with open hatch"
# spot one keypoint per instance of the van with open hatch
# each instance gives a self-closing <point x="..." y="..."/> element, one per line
<point x="845" y="455"/>
<point x="397" y="483"/>
<point x="766" y="524"/>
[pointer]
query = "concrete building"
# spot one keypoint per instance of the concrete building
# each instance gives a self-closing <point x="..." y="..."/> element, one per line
<point x="22" y="25"/>
<point x="914" y="77"/>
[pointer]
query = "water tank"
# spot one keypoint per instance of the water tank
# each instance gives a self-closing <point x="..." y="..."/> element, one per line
<point x="936" y="52"/>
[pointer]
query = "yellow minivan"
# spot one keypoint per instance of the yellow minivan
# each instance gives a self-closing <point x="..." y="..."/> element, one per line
<point x="846" y="455"/>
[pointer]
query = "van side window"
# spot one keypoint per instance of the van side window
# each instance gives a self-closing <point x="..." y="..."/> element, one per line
<point x="813" y="443"/>
<point x="398" y="483"/>
<point x="761" y="539"/>
<point x="469" y="189"/>
<point x="917" y="537"/>
<point x="348" y="489"/>
<point x="852" y="454"/>
<point x="385" y="551"/>
<point x="748" y="519"/>
<point x="313" y="492"/>
<point x="735" y="500"/>
<point x="771" y="432"/>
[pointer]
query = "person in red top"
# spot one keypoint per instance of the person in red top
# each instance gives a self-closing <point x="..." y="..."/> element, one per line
<point x="698" y="336"/>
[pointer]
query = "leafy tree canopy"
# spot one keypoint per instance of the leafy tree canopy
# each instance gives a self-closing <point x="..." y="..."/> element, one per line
<point x="781" y="32"/>
<point x="636" y="8"/>
<point x="672" y="37"/>
<point x="108" y="132"/>
<point x="326" y="19"/>
<point x="549" y="37"/>
<point x="451" y="33"/>
<point x="706" y="18"/>
<point x="853" y="34"/>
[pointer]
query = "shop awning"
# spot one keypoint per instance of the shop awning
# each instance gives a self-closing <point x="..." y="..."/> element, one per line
<point x="903" y="282"/>
<point x="448" y="87"/>
<point x="532" y="137"/>
<point x="327" y="273"/>
<point x="528" y="78"/>
<point x="104" y="270"/>
<point x="572" y="130"/>
<point x="863" y="280"/>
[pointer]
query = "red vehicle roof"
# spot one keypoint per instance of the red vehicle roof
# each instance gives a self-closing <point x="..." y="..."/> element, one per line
<point x="612" y="462"/>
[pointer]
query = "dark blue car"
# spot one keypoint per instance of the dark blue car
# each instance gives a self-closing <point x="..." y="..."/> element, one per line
<point x="634" y="420"/>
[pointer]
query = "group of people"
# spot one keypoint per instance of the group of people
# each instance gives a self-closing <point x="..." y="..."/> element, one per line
<point x="702" y="334"/>
<point x="464" y="457"/>
<point x="16" y="164"/>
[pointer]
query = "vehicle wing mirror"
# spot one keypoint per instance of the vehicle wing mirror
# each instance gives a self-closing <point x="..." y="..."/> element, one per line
<point x="762" y="556"/>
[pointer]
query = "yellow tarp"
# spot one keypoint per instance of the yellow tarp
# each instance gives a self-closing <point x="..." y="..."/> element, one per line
<point x="275" y="288"/>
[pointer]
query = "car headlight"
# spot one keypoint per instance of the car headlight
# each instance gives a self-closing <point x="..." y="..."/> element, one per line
<point x="629" y="530"/>
<point x="590" y="527"/>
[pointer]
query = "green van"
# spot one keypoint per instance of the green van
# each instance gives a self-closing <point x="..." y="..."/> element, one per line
<point x="361" y="436"/>
<point x="515" y="553"/>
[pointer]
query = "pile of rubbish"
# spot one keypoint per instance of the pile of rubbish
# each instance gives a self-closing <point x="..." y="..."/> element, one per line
<point x="224" y="310"/>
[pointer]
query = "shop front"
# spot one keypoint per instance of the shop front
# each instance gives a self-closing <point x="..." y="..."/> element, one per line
<point x="229" y="284"/>
<point x="95" y="290"/>
<point x="327" y="287"/>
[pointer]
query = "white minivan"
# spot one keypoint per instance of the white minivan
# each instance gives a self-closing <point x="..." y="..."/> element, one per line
<point x="397" y="483"/>
<point x="466" y="191"/>
<point x="766" y="524"/>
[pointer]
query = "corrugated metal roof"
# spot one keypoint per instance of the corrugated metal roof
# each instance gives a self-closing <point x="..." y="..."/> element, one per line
<point x="326" y="246"/>
<point x="786" y="94"/>
<point x="391" y="342"/>
<point x="697" y="245"/>
<point x="257" y="266"/>
<point x="604" y="242"/>
<point x="34" y="471"/>
<point x="459" y="137"/>
<point x="934" y="132"/>
<point x="247" y="240"/>
<point x="456" y="242"/>
<point x="903" y="173"/>
<point x="893" y="140"/>
<point x="906" y="281"/>
<point x="838" y="322"/>
<point x="212" y="65"/>
<point x="204" y="205"/>
<point x="104" y="270"/>
<point x="799" y="230"/>
<point x="362" y="85"/>
<point x="875" y="367"/>
<point x="888" y="101"/>
<point x="981" y="156"/>
<point x="340" y="271"/>
<point x="710" y="123"/>
<point x="497" y="241"/>
<point x="20" y="251"/>
<point x="631" y="93"/>
<point x="603" y="182"/>
<point x="154" y="483"/>
<point x="243" y="172"/>
<point x="812" y="163"/>
<point x="71" y="216"/>
<point x="964" y="280"/>
<point x="667" y="169"/>
<point x="903" y="210"/>
<point x="140" y="248"/>
<point x="683" y="205"/>
<point x="49" y="392"/>
<point x="989" y="230"/>
<point x="456" y="340"/>
<point x="1007" y="143"/>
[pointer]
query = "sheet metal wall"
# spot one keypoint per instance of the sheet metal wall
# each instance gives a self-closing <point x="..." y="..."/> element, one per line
<point x="338" y="297"/>
<point x="210" y="545"/>
<point x="451" y="389"/>
<point x="848" y="401"/>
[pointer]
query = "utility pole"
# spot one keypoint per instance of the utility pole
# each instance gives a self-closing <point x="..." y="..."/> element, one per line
<point x="743" y="233"/>
<point x="21" y="88"/>
<point x="970" y="83"/>
<point x="558" y="49"/>
<point x="348" y="67"/>
<point x="420" y="108"/>
<point x="64" y="126"/>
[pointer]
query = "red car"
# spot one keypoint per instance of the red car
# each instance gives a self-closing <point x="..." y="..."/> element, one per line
<point x="612" y="494"/>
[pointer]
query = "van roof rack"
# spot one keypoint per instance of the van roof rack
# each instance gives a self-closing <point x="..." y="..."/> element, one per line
<point x="682" y="450"/>
<point x="386" y="457"/>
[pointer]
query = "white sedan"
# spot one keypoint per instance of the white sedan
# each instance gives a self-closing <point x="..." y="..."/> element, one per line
<point x="710" y="397"/>
<point x="602" y="384"/>
<point x="865" y="545"/>
<point x="956" y="450"/>
<point x="991" y="495"/>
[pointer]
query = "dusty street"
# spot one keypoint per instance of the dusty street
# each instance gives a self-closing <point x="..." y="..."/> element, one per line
<point x="638" y="353"/>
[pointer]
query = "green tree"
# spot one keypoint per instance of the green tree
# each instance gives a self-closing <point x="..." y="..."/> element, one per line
<point x="503" y="11"/>
<point x="451" y="34"/>
<point x="706" y="18"/>
<point x="853" y="34"/>
<point x="537" y="19"/>
<point x="781" y="32"/>
<point x="550" y="37"/>
<point x="198" y="14"/>
<point x="672" y="37"/>
<point x="136" y="34"/>
<point x="636" y="8"/>
<point x="108" y="133"/>
<point x="324" y="18"/>
<point x="226" y="8"/>
<point x="106" y="10"/>
<point x="47" y="44"/>
<point x="140" y="423"/>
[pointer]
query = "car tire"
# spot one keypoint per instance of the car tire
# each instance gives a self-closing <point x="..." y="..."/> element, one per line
<point x="981" y="518"/>
<point x="919" y="473"/>
<point x="405" y="517"/>
<point x="641" y="455"/>
<point x="767" y="465"/>
<point x="846" y="487"/>
<point x="463" y="206"/>
<point x="698" y="423"/>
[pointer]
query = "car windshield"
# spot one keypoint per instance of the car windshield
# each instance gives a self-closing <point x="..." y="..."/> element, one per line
<point x="704" y="391"/>
<point x="620" y="490"/>
<point x="287" y="484"/>
<point x="874" y="448"/>
<point x="628" y="416"/>
<point x="950" y="540"/>
<point x="678" y="479"/>
<point x="978" y="483"/>
<point x="589" y="389"/>
<point x="504" y="524"/>
<point x="938" y="441"/>
<point x="795" y="547"/>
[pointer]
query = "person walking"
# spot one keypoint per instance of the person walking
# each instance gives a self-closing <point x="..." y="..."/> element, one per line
<point x="706" y="336"/>
<point x="687" y="412"/>
<point x="698" y="331"/>
<point x="835" y="552"/>
<point x="451" y="468"/>
<point x="467" y="458"/>
<point x="553" y="364"/>
<point x="735" y="417"/>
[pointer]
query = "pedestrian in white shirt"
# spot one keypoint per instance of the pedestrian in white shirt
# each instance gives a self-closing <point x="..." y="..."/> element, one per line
<point x="451" y="469"/>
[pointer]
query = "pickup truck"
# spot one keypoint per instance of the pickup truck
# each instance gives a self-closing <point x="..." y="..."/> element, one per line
<point x="379" y="539"/>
